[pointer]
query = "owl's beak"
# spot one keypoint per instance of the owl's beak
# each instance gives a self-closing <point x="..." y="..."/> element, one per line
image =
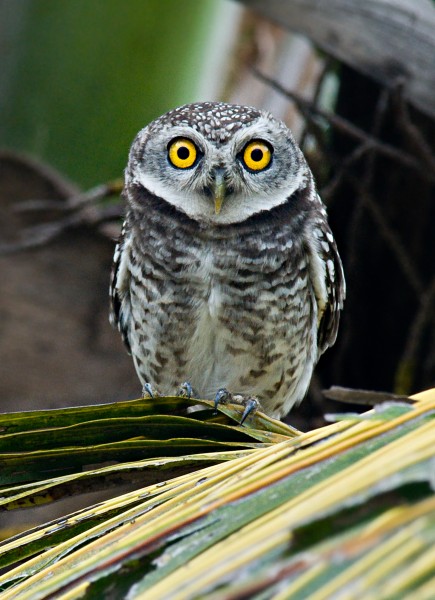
<point x="218" y="189"/>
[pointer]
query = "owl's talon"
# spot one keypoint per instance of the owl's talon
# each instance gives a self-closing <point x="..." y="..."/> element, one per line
<point x="251" y="405"/>
<point x="148" y="391"/>
<point x="222" y="397"/>
<point x="185" y="390"/>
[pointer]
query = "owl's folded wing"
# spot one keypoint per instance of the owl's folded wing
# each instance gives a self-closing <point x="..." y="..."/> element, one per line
<point x="120" y="287"/>
<point x="327" y="278"/>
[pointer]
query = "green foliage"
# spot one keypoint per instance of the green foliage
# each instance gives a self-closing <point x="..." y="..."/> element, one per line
<point x="84" y="77"/>
<point x="259" y="511"/>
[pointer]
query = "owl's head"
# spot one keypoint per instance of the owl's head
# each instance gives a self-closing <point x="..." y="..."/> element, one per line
<point x="217" y="163"/>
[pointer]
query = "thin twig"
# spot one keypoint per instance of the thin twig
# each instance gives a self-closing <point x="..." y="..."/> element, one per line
<point x="379" y="116"/>
<point x="355" y="228"/>
<point x="311" y="112"/>
<point x="40" y="235"/>
<point x="399" y="250"/>
<point x="412" y="134"/>
<point x="75" y="202"/>
<point x="328" y="191"/>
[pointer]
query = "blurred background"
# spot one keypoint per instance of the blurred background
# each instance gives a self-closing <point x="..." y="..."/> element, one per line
<point x="79" y="79"/>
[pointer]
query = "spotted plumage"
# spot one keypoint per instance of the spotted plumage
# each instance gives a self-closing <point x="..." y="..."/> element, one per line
<point x="226" y="273"/>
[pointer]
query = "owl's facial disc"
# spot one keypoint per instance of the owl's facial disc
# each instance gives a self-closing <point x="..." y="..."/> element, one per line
<point x="216" y="168"/>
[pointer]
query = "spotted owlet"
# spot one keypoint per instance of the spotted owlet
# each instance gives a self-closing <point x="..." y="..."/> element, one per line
<point x="226" y="273"/>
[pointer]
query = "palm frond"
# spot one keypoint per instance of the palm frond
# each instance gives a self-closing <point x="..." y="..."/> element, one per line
<point x="259" y="511"/>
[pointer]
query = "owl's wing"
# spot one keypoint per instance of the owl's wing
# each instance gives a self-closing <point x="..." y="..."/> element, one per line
<point x="120" y="286"/>
<point x="327" y="277"/>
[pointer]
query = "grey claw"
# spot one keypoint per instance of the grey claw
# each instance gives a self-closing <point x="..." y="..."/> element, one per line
<point x="251" y="405"/>
<point x="222" y="396"/>
<point x="148" y="390"/>
<point x="185" y="390"/>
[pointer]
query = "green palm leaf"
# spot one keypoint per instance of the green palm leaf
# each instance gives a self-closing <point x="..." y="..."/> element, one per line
<point x="259" y="511"/>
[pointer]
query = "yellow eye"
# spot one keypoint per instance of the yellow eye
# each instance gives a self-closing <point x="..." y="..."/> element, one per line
<point x="182" y="153"/>
<point x="257" y="155"/>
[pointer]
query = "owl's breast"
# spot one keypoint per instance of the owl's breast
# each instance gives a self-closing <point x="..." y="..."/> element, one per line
<point x="205" y="287"/>
<point x="242" y="314"/>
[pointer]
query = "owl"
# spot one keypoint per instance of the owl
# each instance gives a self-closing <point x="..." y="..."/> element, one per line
<point x="226" y="274"/>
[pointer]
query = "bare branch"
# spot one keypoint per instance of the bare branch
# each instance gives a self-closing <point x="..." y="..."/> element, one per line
<point x="412" y="134"/>
<point x="328" y="191"/>
<point x="311" y="112"/>
<point x="75" y="202"/>
<point x="39" y="235"/>
<point x="363" y="397"/>
<point x="399" y="250"/>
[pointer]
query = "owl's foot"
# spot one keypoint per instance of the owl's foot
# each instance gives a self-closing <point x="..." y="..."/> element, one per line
<point x="185" y="390"/>
<point x="148" y="391"/>
<point x="251" y="404"/>
<point x="222" y="397"/>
